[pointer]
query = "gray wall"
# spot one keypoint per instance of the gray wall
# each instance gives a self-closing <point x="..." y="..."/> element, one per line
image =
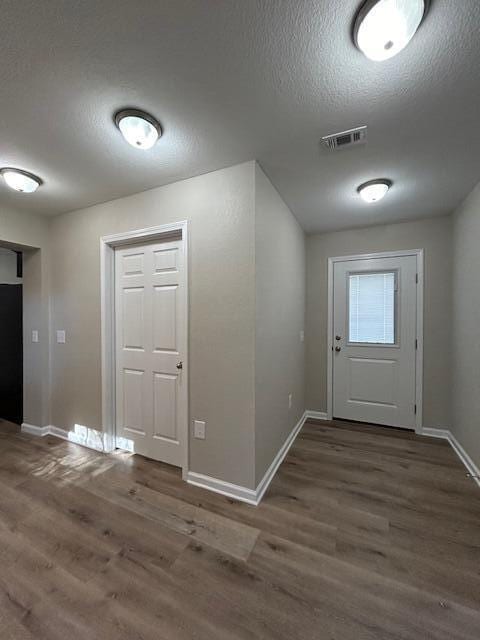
<point x="433" y="235"/>
<point x="220" y="209"/>
<point x="279" y="319"/>
<point x="466" y="325"/>
<point x="30" y="233"/>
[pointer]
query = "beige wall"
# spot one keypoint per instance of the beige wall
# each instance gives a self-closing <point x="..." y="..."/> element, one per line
<point x="247" y="302"/>
<point x="30" y="233"/>
<point x="8" y="267"/>
<point x="220" y="209"/>
<point x="434" y="236"/>
<point x="279" y="319"/>
<point x="466" y="325"/>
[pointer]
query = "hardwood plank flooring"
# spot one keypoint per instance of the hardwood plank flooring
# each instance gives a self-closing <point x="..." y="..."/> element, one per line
<point x="366" y="533"/>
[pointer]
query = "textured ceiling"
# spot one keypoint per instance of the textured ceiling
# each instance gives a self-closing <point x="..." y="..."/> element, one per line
<point x="233" y="80"/>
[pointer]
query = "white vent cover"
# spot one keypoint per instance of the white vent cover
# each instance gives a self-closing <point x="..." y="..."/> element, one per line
<point x="345" y="138"/>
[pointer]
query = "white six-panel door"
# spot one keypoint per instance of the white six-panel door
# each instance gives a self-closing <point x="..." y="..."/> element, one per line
<point x="374" y="341"/>
<point x="150" y="336"/>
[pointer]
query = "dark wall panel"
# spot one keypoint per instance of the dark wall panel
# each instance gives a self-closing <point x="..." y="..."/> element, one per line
<point x="11" y="353"/>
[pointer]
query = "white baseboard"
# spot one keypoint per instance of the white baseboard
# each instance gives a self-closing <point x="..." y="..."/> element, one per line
<point x="228" y="489"/>
<point x="446" y="434"/>
<point x="253" y="496"/>
<point x="443" y="434"/>
<point x="83" y="436"/>
<point x="316" y="415"/>
<point x="99" y="441"/>
<point x="279" y="458"/>
<point x="33" y="430"/>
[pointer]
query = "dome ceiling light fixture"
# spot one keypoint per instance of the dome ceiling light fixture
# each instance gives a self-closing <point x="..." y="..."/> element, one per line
<point x="20" y="180"/>
<point x="384" y="27"/>
<point x="374" y="190"/>
<point x="139" y="128"/>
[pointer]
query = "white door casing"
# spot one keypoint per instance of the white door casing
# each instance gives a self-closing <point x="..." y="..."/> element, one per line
<point x="375" y="379"/>
<point x="150" y="349"/>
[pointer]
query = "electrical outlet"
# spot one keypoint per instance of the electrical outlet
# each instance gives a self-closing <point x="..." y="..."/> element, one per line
<point x="34" y="335"/>
<point x="61" y="337"/>
<point x="199" y="429"/>
<point x="289" y="400"/>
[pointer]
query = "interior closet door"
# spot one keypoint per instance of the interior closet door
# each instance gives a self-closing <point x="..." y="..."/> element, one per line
<point x="151" y="341"/>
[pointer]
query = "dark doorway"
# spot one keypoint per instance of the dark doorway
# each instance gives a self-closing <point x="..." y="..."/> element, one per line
<point x="11" y="347"/>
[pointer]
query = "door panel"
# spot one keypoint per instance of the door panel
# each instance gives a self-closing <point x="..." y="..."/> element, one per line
<point x="165" y="260"/>
<point x="373" y="381"/>
<point x="133" y="318"/>
<point x="374" y="340"/>
<point x="133" y="400"/>
<point x="165" y="318"/>
<point x="133" y="264"/>
<point x="151" y="342"/>
<point x="165" y="406"/>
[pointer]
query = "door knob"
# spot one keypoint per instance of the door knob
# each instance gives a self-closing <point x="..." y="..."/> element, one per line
<point x="180" y="365"/>
<point x="338" y="337"/>
<point x="337" y="349"/>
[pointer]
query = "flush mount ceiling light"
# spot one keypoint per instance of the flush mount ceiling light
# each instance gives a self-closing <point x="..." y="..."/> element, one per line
<point x="384" y="27"/>
<point x="20" y="180"/>
<point x="374" y="190"/>
<point x="139" y="129"/>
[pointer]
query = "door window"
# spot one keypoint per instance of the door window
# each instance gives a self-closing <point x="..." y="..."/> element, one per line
<point x="371" y="305"/>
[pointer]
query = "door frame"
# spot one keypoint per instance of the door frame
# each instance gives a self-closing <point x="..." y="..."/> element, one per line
<point x="107" y="284"/>
<point x="419" y="254"/>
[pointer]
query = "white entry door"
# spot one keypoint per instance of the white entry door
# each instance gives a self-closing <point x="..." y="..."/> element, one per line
<point x="151" y="341"/>
<point x="375" y="340"/>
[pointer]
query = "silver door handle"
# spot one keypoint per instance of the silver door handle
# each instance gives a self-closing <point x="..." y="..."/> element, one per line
<point x="180" y="365"/>
<point x="337" y="349"/>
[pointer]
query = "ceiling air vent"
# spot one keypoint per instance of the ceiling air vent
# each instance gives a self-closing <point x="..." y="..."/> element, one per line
<point x="345" y="138"/>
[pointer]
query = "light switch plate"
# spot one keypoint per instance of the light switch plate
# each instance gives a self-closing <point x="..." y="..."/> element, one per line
<point x="290" y="400"/>
<point x="302" y="336"/>
<point x="61" y="336"/>
<point x="34" y="335"/>
<point x="199" y="429"/>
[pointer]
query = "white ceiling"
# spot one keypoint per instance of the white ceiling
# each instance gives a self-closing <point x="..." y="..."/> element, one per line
<point x="233" y="80"/>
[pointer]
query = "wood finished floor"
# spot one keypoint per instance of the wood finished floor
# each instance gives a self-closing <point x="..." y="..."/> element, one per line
<point x="365" y="533"/>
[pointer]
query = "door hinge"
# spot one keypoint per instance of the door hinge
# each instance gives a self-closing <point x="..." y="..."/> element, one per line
<point x="416" y="278"/>
<point x="416" y="344"/>
<point x="415" y="409"/>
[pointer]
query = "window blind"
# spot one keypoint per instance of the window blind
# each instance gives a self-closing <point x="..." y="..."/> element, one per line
<point x="372" y="308"/>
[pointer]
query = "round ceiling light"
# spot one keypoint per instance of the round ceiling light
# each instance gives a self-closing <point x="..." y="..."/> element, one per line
<point x="384" y="27"/>
<point x="374" y="190"/>
<point x="139" y="129"/>
<point x="20" y="180"/>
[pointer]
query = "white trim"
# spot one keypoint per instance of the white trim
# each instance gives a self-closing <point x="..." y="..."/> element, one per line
<point x="419" y="352"/>
<point x="430" y="432"/>
<point x="244" y="494"/>
<point x="446" y="434"/>
<point x="331" y="262"/>
<point x="107" y="261"/>
<point x="316" y="415"/>
<point x="419" y="254"/>
<point x="277" y="461"/>
<point x="33" y="430"/>
<point x="83" y="436"/>
<point x="224" y="488"/>
<point x="471" y="467"/>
